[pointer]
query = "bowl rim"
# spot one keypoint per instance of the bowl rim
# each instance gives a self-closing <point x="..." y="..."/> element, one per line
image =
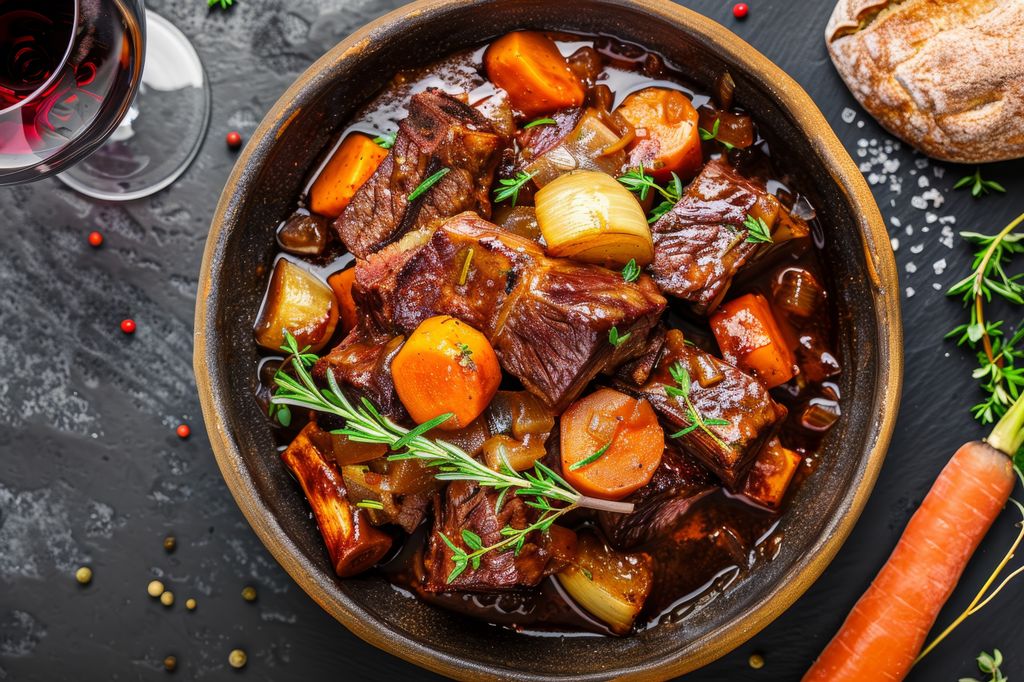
<point x="884" y="289"/>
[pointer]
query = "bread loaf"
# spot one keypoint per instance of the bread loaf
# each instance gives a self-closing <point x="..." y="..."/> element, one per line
<point x="947" y="76"/>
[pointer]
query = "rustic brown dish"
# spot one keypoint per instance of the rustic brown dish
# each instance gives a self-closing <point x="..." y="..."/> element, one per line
<point x="260" y="193"/>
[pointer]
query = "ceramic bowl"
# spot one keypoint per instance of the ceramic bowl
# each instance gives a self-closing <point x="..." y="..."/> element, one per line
<point x="270" y="174"/>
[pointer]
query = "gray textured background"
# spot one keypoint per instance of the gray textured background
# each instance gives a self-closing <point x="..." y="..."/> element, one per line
<point x="91" y="471"/>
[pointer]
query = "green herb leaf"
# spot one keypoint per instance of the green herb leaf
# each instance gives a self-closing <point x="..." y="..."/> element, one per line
<point x="540" y="122"/>
<point x="631" y="272"/>
<point x="466" y="356"/>
<point x="979" y="186"/>
<point x="223" y="4"/>
<point x="708" y="135"/>
<point x="369" y="504"/>
<point x="615" y="339"/>
<point x="385" y="140"/>
<point x="592" y="458"/>
<point x="471" y="539"/>
<point x="758" y="231"/>
<point x="509" y="187"/>
<point x="428" y="183"/>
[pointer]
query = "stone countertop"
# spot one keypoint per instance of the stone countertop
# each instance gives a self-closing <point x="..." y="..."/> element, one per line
<point x="91" y="471"/>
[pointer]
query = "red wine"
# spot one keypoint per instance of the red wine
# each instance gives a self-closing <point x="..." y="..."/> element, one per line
<point x="68" y="70"/>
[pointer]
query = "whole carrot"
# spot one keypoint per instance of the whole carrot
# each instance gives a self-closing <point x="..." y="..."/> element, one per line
<point x="886" y="629"/>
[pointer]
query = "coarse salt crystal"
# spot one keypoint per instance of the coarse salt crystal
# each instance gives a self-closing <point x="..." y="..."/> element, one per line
<point x="917" y="248"/>
<point x="921" y="163"/>
<point x="860" y="124"/>
<point x="923" y="181"/>
<point x="848" y="115"/>
<point x="939" y="266"/>
<point x="862" y="142"/>
<point x="909" y="230"/>
<point x="918" y="202"/>
<point x="911" y="268"/>
<point x="894" y="221"/>
<point x="939" y="171"/>
<point x="895" y="243"/>
<point x="910" y="292"/>
<point x="936" y="286"/>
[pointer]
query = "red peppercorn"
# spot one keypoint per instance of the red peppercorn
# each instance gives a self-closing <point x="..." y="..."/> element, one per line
<point x="739" y="10"/>
<point x="128" y="326"/>
<point x="234" y="139"/>
<point x="183" y="431"/>
<point x="95" y="238"/>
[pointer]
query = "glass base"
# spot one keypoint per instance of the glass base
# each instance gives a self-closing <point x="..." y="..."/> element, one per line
<point x="163" y="130"/>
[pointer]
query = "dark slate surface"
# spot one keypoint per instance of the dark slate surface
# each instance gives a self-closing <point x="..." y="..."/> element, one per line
<point x="92" y="473"/>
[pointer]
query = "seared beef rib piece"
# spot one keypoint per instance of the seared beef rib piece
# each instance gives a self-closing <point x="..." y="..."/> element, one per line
<point x="440" y="132"/>
<point x="547" y="318"/>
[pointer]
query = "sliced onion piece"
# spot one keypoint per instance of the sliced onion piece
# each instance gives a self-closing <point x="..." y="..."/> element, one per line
<point x="589" y="216"/>
<point x="612" y="586"/>
<point x="585" y="148"/>
<point x="298" y="302"/>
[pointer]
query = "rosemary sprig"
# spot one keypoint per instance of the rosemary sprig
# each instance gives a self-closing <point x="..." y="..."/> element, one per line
<point x="509" y="187"/>
<point x="758" y="231"/>
<point x="681" y="391"/>
<point x="631" y="271"/>
<point x="615" y="339"/>
<point x="712" y="134"/>
<point x="999" y="377"/>
<point x="428" y="183"/>
<point x="385" y="140"/>
<point x="586" y="461"/>
<point x="979" y="186"/>
<point x="365" y="424"/>
<point x="540" y="122"/>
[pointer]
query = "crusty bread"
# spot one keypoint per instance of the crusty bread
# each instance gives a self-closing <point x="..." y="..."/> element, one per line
<point x="947" y="76"/>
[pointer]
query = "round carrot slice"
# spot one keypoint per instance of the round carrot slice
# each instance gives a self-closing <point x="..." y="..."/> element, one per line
<point x="611" y="444"/>
<point x="667" y="136"/>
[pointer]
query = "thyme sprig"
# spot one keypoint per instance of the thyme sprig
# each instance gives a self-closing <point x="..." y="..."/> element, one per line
<point x="989" y="664"/>
<point x="638" y="181"/>
<point x="509" y="187"/>
<point x="223" y="4"/>
<point x="1000" y="379"/>
<point x="681" y="391"/>
<point x="979" y="186"/>
<point x="513" y="539"/>
<point x="541" y="486"/>
<point x="712" y="134"/>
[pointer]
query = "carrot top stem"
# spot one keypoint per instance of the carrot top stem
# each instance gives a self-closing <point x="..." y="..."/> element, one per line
<point x="1008" y="434"/>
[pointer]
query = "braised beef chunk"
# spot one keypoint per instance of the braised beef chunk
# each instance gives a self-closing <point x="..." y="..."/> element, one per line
<point x="678" y="483"/>
<point x="467" y="507"/>
<point x="638" y="370"/>
<point x="548" y="319"/>
<point x="362" y="362"/>
<point x="702" y="243"/>
<point x="440" y="132"/>
<point x="718" y="391"/>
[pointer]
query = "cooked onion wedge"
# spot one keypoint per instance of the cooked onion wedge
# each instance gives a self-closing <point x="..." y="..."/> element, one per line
<point x="611" y="586"/>
<point x="589" y="216"/>
<point x="299" y="302"/>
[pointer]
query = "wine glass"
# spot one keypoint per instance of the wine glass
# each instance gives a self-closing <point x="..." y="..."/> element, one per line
<point x="76" y="100"/>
